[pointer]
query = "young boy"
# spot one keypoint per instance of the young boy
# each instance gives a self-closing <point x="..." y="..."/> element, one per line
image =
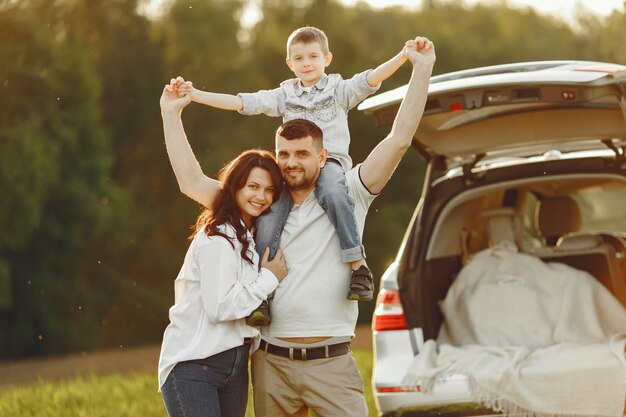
<point x="324" y="100"/>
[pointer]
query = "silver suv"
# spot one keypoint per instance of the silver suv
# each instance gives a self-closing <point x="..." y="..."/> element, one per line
<point x="537" y="145"/>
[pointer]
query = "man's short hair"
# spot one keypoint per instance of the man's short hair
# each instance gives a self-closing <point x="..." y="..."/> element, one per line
<point x="301" y="128"/>
<point x="308" y="34"/>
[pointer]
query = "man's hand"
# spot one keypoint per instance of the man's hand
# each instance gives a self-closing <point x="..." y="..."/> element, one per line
<point x="170" y="99"/>
<point x="420" y="51"/>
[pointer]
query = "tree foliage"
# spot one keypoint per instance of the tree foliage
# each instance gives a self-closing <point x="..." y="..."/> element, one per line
<point x="94" y="226"/>
<point x="56" y="155"/>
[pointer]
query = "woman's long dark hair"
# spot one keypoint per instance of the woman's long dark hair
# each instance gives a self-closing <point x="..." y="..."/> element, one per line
<point x="224" y="209"/>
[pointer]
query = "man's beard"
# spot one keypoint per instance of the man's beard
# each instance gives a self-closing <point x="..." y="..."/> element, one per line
<point x="297" y="183"/>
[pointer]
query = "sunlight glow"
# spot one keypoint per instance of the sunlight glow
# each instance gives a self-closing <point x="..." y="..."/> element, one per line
<point x="564" y="10"/>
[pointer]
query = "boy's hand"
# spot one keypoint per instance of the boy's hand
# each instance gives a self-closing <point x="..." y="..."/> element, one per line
<point x="185" y="88"/>
<point x="420" y="50"/>
<point x="181" y="86"/>
<point x="170" y="99"/>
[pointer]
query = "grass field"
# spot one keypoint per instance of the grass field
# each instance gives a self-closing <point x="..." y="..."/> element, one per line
<point x="115" y="395"/>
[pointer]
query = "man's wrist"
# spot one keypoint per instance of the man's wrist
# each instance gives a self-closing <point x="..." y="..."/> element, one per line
<point x="422" y="65"/>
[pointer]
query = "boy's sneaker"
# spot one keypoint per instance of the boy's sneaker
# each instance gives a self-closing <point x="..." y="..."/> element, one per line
<point x="361" y="285"/>
<point x="260" y="316"/>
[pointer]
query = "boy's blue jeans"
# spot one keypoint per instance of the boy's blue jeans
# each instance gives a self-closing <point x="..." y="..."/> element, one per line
<point x="332" y="194"/>
<point x="214" y="386"/>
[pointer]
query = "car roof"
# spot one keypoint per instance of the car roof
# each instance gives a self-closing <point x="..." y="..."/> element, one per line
<point x="504" y="109"/>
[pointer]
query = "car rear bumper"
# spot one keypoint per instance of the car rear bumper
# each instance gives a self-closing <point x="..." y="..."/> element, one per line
<point x="449" y="410"/>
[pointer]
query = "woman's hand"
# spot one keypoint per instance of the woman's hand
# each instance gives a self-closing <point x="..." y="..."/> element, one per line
<point x="170" y="99"/>
<point x="277" y="266"/>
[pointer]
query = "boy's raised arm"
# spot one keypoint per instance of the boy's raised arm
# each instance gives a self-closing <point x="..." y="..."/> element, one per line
<point x="191" y="180"/>
<point x="378" y="167"/>
<point x="217" y="100"/>
<point x="386" y="69"/>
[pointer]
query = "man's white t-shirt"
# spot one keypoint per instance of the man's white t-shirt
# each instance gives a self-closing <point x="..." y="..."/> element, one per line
<point x="311" y="300"/>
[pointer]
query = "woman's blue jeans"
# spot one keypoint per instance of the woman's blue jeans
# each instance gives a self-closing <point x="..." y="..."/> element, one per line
<point x="216" y="386"/>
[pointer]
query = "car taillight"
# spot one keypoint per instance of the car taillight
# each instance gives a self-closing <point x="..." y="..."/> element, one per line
<point x="415" y="388"/>
<point x="388" y="314"/>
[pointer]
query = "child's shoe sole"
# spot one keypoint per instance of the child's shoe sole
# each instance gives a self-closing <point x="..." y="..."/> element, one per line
<point x="260" y="316"/>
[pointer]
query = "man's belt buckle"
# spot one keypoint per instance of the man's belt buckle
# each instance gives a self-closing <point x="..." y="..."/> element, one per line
<point x="302" y="354"/>
<point x="305" y="354"/>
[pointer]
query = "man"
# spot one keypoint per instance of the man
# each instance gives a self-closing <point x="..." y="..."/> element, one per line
<point x="304" y="360"/>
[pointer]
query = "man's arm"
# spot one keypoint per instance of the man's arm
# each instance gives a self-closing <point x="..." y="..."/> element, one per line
<point x="386" y="69"/>
<point x="191" y="180"/>
<point x="383" y="160"/>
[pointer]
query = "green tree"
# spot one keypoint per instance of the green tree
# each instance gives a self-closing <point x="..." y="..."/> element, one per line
<point x="121" y="260"/>
<point x="600" y="39"/>
<point x="55" y="157"/>
<point x="94" y="225"/>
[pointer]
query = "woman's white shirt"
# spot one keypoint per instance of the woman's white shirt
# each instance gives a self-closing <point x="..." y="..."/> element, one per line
<point x="214" y="291"/>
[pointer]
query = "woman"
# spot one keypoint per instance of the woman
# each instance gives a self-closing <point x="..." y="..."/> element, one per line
<point x="203" y="368"/>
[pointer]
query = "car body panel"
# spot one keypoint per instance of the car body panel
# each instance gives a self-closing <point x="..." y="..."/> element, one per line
<point x="555" y="72"/>
<point x="465" y="117"/>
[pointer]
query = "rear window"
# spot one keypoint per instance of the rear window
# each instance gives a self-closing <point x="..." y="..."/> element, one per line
<point x="602" y="208"/>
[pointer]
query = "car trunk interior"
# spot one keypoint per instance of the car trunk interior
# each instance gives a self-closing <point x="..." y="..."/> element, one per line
<point x="579" y="220"/>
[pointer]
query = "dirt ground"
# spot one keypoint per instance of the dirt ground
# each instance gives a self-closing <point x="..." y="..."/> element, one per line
<point x="123" y="360"/>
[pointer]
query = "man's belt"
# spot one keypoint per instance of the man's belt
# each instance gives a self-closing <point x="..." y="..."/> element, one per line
<point x="306" y="354"/>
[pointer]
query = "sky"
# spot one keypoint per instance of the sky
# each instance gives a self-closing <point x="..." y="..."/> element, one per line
<point x="564" y="9"/>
